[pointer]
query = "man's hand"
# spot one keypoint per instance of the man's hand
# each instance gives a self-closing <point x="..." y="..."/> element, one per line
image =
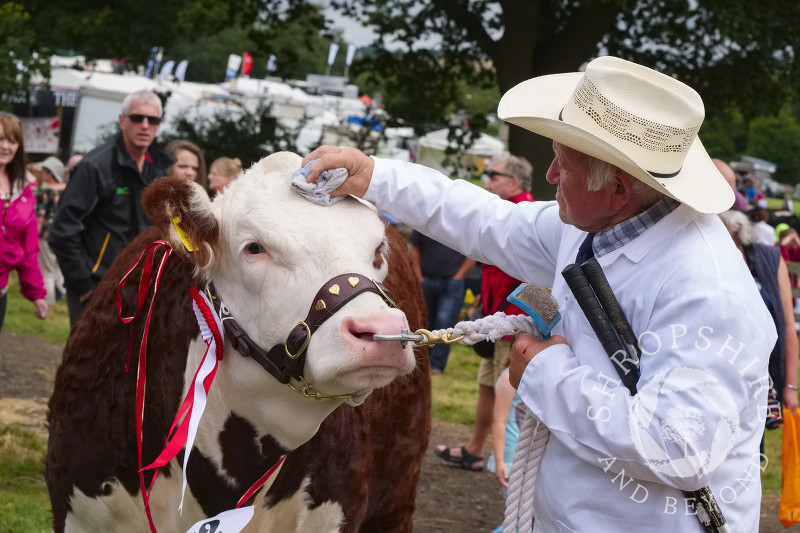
<point x="41" y="308"/>
<point x="525" y="347"/>
<point x="359" y="166"/>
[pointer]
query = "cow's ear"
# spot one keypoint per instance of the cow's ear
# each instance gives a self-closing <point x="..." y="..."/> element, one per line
<point x="182" y="211"/>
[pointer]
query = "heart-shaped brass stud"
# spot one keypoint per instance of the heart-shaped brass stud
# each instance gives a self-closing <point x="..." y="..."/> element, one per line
<point x="334" y="289"/>
<point x="320" y="305"/>
<point x="353" y="281"/>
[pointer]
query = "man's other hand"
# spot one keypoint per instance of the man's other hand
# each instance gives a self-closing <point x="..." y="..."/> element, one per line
<point x="526" y="346"/>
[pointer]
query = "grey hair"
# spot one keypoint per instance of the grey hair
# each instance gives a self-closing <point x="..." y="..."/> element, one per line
<point x="601" y="173"/>
<point x="738" y="223"/>
<point x="145" y="97"/>
<point x="518" y="167"/>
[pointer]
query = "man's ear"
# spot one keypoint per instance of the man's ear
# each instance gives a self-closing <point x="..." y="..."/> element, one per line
<point x="622" y="193"/>
<point x="182" y="211"/>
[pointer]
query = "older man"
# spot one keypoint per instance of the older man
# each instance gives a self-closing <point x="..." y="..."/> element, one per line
<point x="100" y="211"/>
<point x="638" y="191"/>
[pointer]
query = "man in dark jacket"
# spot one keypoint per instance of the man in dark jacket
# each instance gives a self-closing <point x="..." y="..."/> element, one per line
<point x="100" y="211"/>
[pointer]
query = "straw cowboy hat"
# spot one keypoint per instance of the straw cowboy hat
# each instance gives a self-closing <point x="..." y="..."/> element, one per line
<point x="640" y="120"/>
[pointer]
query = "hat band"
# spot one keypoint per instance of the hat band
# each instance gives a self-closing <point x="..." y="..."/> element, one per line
<point x="654" y="174"/>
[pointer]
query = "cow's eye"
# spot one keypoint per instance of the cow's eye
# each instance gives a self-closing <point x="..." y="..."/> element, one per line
<point x="254" y="248"/>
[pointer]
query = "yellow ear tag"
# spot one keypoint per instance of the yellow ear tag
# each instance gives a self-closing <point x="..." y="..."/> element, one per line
<point x="183" y="236"/>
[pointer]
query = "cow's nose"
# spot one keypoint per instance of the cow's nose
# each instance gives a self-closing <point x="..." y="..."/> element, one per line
<point x="358" y="333"/>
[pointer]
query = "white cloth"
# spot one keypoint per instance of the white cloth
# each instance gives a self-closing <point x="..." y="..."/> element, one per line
<point x="320" y="191"/>
<point x="765" y="234"/>
<point x="698" y="417"/>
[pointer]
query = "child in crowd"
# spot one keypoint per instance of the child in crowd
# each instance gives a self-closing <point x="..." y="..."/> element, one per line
<point x="509" y="412"/>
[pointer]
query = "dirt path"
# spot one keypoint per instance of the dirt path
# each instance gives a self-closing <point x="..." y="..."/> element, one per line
<point x="449" y="499"/>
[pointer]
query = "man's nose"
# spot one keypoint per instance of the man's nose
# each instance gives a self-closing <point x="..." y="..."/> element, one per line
<point x="553" y="172"/>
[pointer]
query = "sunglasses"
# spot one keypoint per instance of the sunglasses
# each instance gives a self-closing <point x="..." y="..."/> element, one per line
<point x="136" y="118"/>
<point x="493" y="173"/>
<point x="12" y="116"/>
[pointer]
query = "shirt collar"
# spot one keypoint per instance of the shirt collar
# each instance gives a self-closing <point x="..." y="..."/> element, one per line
<point x="620" y="234"/>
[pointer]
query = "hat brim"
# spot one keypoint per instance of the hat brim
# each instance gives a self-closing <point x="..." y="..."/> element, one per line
<point x="535" y="105"/>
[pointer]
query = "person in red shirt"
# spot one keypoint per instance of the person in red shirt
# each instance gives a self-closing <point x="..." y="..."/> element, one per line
<point x="509" y="177"/>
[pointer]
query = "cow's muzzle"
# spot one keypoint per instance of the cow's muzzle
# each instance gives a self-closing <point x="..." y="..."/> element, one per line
<point x="286" y="361"/>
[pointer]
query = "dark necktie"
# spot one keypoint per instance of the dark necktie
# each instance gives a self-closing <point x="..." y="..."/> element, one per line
<point x="585" y="251"/>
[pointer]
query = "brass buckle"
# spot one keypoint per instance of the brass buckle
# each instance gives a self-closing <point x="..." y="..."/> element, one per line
<point x="305" y="342"/>
<point x="383" y="294"/>
<point x="309" y="392"/>
<point x="432" y="339"/>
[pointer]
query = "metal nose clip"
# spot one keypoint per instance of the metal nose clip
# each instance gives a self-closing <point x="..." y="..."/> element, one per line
<point x="405" y="337"/>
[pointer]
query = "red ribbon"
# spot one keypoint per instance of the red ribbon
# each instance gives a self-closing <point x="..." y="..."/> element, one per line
<point x="178" y="432"/>
<point x="144" y="287"/>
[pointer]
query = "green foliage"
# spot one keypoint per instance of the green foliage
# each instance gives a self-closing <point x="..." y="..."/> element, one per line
<point x="24" y="503"/>
<point x="724" y="135"/>
<point x="250" y="136"/>
<point x="295" y="32"/>
<point x="777" y="139"/>
<point x="19" y="53"/>
<point x="208" y="53"/>
<point x="20" y="316"/>
<point x="733" y="52"/>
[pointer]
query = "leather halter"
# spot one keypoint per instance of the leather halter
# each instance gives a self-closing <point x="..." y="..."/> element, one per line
<point x="286" y="361"/>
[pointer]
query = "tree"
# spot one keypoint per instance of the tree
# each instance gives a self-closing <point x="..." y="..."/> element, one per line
<point x="710" y="44"/>
<point x="250" y="136"/>
<point x="98" y="29"/>
<point x="777" y="139"/>
<point x="208" y="54"/>
<point x="19" y="52"/>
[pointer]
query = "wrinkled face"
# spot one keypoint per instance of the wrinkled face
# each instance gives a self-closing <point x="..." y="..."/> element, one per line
<point x="584" y="209"/>
<point x="277" y="250"/>
<point x="139" y="135"/>
<point x="187" y="165"/>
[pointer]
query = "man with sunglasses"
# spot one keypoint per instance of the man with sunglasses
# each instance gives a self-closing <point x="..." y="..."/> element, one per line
<point x="509" y="177"/>
<point x="100" y="211"/>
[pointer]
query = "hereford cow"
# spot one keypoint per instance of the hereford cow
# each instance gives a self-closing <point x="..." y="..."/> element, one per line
<point x="273" y="257"/>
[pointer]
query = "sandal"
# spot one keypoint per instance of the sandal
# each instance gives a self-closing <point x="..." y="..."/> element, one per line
<point x="467" y="461"/>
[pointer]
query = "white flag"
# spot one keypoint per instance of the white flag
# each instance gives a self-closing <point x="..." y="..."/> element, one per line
<point x="180" y="70"/>
<point x="332" y="51"/>
<point x="234" y="62"/>
<point x="351" y="52"/>
<point x="166" y="70"/>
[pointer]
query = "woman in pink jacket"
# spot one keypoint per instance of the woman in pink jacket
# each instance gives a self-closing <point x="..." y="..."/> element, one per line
<point x="19" y="236"/>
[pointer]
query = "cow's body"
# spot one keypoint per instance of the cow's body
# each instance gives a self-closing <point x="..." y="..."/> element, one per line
<point x="358" y="472"/>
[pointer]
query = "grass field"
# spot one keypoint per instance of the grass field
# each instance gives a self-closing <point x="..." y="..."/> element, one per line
<point x="24" y="504"/>
<point x="20" y="318"/>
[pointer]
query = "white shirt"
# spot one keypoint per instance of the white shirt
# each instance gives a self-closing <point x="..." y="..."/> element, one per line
<point x="615" y="462"/>
<point x="765" y="234"/>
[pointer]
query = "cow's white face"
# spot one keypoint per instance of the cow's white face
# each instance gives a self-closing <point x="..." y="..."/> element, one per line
<point x="275" y="250"/>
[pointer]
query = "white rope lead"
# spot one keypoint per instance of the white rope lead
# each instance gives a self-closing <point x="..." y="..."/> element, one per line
<point x="490" y="328"/>
<point x="533" y="434"/>
<point x="524" y="469"/>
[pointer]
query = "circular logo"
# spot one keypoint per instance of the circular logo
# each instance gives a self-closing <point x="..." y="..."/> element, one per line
<point x="668" y="428"/>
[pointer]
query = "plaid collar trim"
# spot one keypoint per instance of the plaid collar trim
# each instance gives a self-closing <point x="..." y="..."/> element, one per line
<point x="618" y="235"/>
